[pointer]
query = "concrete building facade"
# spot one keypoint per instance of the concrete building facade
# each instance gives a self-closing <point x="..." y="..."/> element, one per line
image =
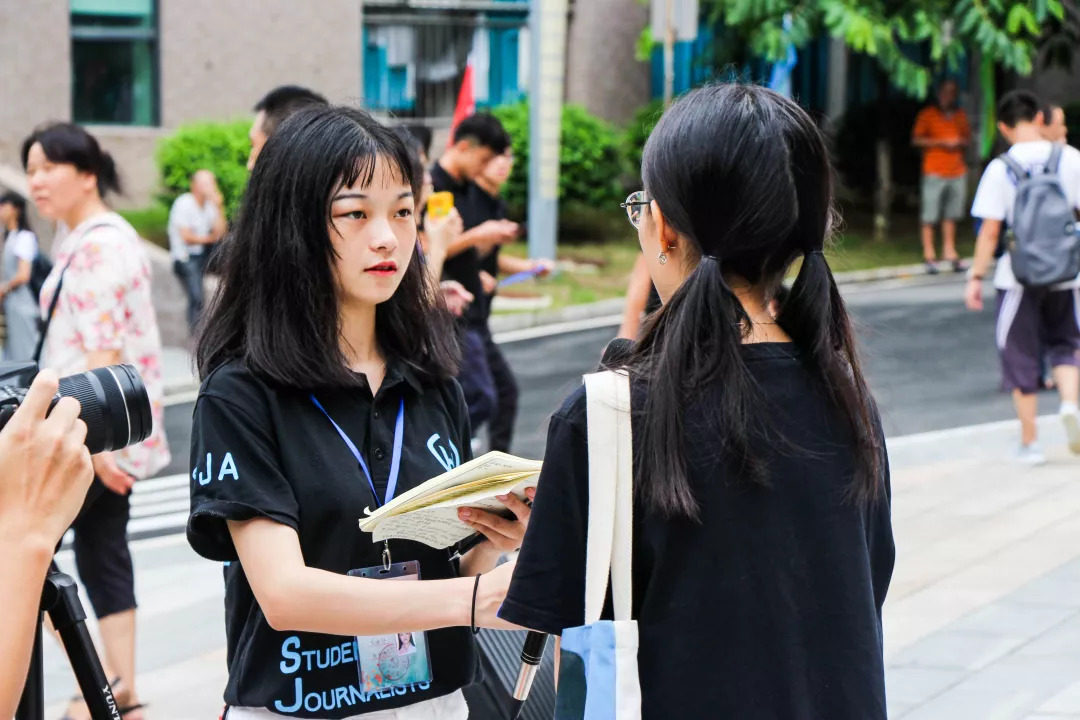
<point x="176" y="61"/>
<point x="213" y="59"/>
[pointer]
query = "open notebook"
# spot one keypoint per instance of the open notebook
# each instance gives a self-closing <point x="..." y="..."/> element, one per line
<point x="428" y="513"/>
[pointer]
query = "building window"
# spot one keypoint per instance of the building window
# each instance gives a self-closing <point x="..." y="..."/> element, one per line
<point x="415" y="58"/>
<point x="114" y="56"/>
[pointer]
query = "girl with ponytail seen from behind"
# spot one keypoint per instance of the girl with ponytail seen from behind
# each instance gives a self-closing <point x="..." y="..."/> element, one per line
<point x="103" y="315"/>
<point x="762" y="540"/>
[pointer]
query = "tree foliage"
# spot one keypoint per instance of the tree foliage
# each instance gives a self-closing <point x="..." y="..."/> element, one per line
<point x="1006" y="33"/>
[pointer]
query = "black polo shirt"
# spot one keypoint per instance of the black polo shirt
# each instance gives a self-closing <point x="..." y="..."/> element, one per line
<point x="465" y="266"/>
<point x="493" y="207"/>
<point x="770" y="606"/>
<point x="258" y="450"/>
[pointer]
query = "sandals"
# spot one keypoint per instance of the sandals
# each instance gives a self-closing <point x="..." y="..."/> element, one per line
<point x="958" y="266"/>
<point x="124" y="710"/>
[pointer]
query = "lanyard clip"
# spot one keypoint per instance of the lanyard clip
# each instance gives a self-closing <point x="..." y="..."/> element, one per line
<point x="386" y="555"/>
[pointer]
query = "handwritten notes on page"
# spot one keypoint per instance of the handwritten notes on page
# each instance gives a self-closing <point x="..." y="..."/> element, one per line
<point x="428" y="513"/>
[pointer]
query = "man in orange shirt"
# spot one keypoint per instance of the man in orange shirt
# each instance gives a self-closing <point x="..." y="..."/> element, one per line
<point x="942" y="132"/>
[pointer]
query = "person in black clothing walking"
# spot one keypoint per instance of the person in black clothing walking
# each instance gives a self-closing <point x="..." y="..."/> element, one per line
<point x="477" y="140"/>
<point x="762" y="541"/>
<point x="487" y="187"/>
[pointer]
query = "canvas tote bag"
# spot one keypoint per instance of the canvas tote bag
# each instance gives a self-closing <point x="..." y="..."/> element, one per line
<point x="598" y="674"/>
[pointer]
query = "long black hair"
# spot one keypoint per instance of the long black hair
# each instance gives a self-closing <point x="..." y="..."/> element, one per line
<point x="16" y="201"/>
<point x="69" y="144"/>
<point x="743" y="175"/>
<point x="277" y="309"/>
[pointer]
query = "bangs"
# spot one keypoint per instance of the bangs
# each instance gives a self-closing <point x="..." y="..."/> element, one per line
<point x="365" y="156"/>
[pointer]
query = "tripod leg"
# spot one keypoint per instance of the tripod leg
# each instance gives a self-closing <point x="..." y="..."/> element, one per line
<point x="69" y="619"/>
<point x="32" y="703"/>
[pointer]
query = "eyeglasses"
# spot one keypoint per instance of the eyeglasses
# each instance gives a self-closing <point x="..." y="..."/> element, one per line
<point x="634" y="205"/>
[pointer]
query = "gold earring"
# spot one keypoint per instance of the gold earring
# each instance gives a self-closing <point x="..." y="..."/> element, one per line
<point x="662" y="258"/>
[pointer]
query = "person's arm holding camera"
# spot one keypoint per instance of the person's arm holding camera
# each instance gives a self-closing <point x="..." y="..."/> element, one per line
<point x="45" y="471"/>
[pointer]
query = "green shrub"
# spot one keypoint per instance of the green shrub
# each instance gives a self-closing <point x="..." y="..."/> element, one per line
<point x="152" y="223"/>
<point x="219" y="147"/>
<point x="637" y="132"/>
<point x="591" y="163"/>
<point x="515" y="120"/>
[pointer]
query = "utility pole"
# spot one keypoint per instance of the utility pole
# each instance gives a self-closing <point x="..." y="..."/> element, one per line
<point x="669" y="51"/>
<point x="547" y="28"/>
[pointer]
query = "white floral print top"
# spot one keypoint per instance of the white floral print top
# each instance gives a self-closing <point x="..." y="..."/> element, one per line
<point x="105" y="304"/>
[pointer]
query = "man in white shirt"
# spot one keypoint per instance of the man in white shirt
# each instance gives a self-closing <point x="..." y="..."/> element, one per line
<point x="196" y="221"/>
<point x="1029" y="320"/>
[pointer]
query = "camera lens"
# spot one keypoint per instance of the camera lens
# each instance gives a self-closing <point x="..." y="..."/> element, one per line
<point x="115" y="406"/>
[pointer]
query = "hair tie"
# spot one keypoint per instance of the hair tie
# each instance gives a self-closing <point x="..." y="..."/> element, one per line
<point x="816" y="252"/>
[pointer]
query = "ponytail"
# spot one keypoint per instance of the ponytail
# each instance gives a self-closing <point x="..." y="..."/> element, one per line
<point x="815" y="317"/>
<point x="688" y="344"/>
<point x="108" y="180"/>
<point x="742" y="175"/>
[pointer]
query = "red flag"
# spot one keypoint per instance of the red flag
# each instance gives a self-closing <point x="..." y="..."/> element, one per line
<point x="466" y="102"/>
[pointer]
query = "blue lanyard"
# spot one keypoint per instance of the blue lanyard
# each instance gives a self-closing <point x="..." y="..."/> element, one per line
<point x="395" y="460"/>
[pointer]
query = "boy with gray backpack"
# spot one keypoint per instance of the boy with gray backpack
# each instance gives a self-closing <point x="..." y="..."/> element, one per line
<point x="1034" y="188"/>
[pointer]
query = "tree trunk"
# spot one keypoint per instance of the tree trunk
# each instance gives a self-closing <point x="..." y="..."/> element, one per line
<point x="883" y="188"/>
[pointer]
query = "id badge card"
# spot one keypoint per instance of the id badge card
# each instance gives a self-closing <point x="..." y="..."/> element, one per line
<point x="398" y="660"/>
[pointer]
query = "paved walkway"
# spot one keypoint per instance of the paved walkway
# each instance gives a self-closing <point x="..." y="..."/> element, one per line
<point x="983" y="616"/>
<point x="982" y="620"/>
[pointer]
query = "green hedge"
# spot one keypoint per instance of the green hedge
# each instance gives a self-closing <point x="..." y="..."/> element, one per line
<point x="219" y="147"/>
<point x="599" y="163"/>
<point x="637" y="133"/>
<point x="152" y="223"/>
<point x="592" y="163"/>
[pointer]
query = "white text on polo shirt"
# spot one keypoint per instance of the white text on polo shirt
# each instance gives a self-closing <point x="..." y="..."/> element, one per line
<point x="228" y="468"/>
<point x="295" y="660"/>
<point x="440" y="453"/>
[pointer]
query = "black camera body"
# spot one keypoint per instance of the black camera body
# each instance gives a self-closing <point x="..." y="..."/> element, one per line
<point x="115" y="406"/>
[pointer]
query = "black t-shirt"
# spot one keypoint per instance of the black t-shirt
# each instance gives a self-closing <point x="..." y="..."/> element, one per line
<point x="493" y="207"/>
<point x="770" y="607"/>
<point x="262" y="451"/>
<point x="465" y="266"/>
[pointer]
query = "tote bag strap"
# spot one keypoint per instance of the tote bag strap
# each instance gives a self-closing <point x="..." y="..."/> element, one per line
<point x="609" y="546"/>
<point x="40" y="347"/>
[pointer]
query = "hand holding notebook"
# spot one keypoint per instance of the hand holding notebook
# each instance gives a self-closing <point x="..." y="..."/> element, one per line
<point x="429" y="513"/>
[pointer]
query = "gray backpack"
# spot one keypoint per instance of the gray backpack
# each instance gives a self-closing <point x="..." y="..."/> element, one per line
<point x="1043" y="241"/>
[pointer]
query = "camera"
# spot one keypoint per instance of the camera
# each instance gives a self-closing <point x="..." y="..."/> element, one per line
<point x="115" y="406"/>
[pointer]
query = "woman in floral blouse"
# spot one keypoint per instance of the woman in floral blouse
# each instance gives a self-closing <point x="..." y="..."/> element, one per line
<point x="104" y="316"/>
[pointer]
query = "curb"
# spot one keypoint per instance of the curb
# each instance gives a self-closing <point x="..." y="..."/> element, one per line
<point x="614" y="306"/>
<point x="526" y="320"/>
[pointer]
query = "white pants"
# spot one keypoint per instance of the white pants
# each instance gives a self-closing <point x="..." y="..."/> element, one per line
<point x="451" y="707"/>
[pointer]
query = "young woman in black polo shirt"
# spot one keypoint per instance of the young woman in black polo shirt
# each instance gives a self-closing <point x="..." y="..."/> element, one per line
<point x="762" y="545"/>
<point x="327" y="363"/>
